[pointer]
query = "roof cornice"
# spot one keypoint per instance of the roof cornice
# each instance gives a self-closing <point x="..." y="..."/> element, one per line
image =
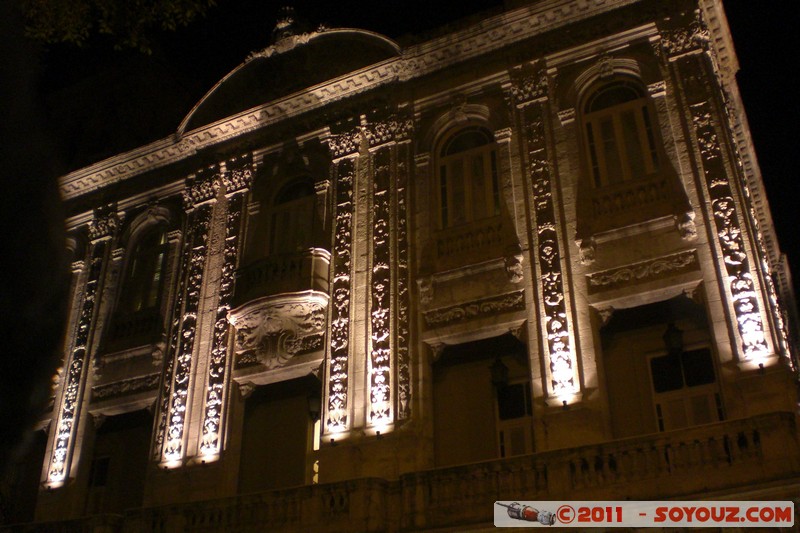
<point x="416" y="61"/>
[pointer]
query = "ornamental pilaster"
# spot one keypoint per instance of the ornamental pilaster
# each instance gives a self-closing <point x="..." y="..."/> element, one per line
<point x="530" y="100"/>
<point x="369" y="272"/>
<point x="723" y="195"/>
<point x="237" y="177"/>
<point x="336" y="393"/>
<point x="65" y="438"/>
<point x="169" y="445"/>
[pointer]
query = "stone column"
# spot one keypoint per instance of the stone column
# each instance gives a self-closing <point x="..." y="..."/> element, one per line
<point x="529" y="96"/>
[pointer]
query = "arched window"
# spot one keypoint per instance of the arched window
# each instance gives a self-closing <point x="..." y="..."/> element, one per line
<point x="468" y="188"/>
<point x="292" y="216"/>
<point x="620" y="137"/>
<point x="145" y="272"/>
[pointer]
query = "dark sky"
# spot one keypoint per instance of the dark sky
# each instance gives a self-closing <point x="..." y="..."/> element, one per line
<point x="147" y="96"/>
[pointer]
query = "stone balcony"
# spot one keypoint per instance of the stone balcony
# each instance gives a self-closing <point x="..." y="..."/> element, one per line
<point x="134" y="329"/>
<point x="631" y="201"/>
<point x="295" y="272"/>
<point x="723" y="459"/>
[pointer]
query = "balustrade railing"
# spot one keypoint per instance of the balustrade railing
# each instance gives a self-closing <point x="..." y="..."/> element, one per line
<point x="129" y="330"/>
<point x="470" y="238"/>
<point x="686" y="463"/>
<point x="282" y="273"/>
<point x="630" y="196"/>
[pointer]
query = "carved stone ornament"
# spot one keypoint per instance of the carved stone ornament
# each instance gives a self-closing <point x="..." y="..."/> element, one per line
<point x="513" y="301"/>
<point x="338" y="346"/>
<point x="720" y="192"/>
<point x="587" y="249"/>
<point x="394" y="128"/>
<point x="237" y="179"/>
<point x="174" y="393"/>
<point x="272" y="330"/>
<point x="437" y="349"/>
<point x="528" y="85"/>
<point x="605" y="315"/>
<point x="202" y="187"/>
<point x="379" y="363"/>
<point x="645" y="271"/>
<point x="246" y="389"/>
<point x="402" y="329"/>
<point x="513" y="264"/>
<point x="425" y="289"/>
<point x="105" y="223"/>
<point x="76" y="374"/>
<point x="125" y="387"/>
<point x="686" y="226"/>
<point x="236" y="182"/>
<point x="555" y="301"/>
<point x="687" y="38"/>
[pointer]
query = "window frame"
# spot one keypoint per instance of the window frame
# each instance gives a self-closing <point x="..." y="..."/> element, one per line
<point x="295" y="208"/>
<point x="134" y="288"/>
<point x="687" y="392"/>
<point x="462" y="190"/>
<point x="649" y="149"/>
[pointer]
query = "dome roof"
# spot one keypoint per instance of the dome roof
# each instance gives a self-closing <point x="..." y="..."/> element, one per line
<point x="294" y="62"/>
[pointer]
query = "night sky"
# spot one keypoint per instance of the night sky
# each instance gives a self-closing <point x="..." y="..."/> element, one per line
<point x="101" y="102"/>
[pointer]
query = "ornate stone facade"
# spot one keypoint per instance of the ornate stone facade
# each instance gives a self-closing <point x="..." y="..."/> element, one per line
<point x="327" y="324"/>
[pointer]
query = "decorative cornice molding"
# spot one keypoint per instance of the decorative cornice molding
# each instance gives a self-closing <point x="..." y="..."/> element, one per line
<point x="653" y="269"/>
<point x="417" y="61"/>
<point x="513" y="301"/>
<point x="126" y="387"/>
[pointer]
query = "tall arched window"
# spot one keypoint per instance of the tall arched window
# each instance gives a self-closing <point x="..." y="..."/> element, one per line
<point x="145" y="272"/>
<point x="620" y="137"/>
<point x="292" y="218"/>
<point x="468" y="188"/>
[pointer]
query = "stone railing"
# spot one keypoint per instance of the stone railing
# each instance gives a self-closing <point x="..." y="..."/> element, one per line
<point x="469" y="240"/>
<point x="129" y="330"/>
<point x="629" y="196"/>
<point x="720" y="458"/>
<point x="283" y="273"/>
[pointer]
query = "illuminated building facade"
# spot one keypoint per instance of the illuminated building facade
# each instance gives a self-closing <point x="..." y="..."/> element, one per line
<point x="375" y="288"/>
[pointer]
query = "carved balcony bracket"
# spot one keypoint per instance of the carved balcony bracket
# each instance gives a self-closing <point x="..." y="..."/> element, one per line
<point x="436" y="350"/>
<point x="246" y="389"/>
<point x="271" y="331"/>
<point x="513" y="264"/>
<point x="685" y="225"/>
<point x="604" y="314"/>
<point x="587" y="248"/>
<point x="425" y="289"/>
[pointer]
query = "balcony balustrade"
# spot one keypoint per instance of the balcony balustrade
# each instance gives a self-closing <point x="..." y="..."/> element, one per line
<point x="631" y="201"/>
<point x="282" y="273"/>
<point x="721" y="458"/>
